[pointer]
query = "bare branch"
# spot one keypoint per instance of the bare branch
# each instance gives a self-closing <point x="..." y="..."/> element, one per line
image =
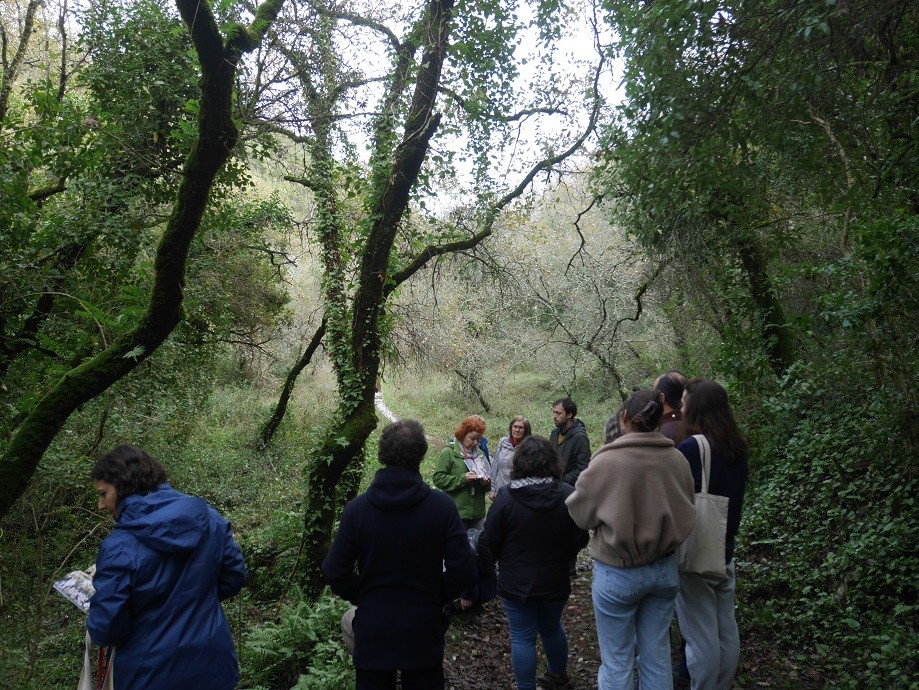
<point x="498" y="117"/>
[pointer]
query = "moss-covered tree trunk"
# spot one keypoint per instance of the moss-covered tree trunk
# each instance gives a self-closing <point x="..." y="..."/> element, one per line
<point x="777" y="337"/>
<point x="356" y="417"/>
<point x="217" y="136"/>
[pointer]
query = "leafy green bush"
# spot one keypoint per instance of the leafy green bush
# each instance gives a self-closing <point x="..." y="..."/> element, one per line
<point x="828" y="562"/>
<point x="303" y="648"/>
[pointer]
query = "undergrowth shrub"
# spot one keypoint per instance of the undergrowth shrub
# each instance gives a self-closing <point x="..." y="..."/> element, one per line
<point x="829" y="537"/>
<point x="302" y="649"/>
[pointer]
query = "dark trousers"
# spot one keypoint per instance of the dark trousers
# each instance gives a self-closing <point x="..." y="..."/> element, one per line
<point x="431" y="678"/>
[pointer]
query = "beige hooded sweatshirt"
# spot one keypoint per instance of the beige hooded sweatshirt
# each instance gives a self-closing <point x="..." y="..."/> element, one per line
<point x="637" y="496"/>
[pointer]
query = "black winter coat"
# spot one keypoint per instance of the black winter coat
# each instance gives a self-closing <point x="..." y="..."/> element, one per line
<point x="412" y="557"/>
<point x="534" y="539"/>
<point x="575" y="451"/>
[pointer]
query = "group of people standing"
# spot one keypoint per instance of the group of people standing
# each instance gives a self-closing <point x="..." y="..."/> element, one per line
<point x="635" y="494"/>
<point x="403" y="551"/>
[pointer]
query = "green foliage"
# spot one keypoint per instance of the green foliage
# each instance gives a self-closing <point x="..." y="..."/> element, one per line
<point x="826" y="559"/>
<point x="307" y="637"/>
<point x="833" y="511"/>
<point x="143" y="76"/>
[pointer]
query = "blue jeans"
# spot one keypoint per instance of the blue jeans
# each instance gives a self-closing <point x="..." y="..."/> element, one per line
<point x="633" y="608"/>
<point x="525" y="621"/>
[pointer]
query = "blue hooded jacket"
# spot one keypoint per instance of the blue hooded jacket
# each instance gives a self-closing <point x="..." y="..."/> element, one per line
<point x="160" y="577"/>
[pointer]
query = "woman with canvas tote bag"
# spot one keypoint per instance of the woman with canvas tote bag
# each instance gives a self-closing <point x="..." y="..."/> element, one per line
<point x="705" y="604"/>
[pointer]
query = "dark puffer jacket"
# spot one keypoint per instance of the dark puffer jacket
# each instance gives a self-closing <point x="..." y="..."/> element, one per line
<point x="160" y="577"/>
<point x="533" y="538"/>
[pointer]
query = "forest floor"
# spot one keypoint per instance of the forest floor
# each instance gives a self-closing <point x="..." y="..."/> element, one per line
<point x="478" y="653"/>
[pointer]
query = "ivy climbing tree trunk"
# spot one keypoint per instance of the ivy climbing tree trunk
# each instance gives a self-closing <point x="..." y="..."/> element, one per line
<point x="389" y="198"/>
<point x="369" y="244"/>
<point x="217" y="136"/>
<point x="776" y="335"/>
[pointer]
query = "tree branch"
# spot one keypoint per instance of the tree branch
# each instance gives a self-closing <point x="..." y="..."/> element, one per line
<point x="217" y="135"/>
<point x="11" y="69"/>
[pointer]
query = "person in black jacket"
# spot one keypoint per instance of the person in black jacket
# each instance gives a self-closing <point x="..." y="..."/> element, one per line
<point x="533" y="538"/>
<point x="569" y="438"/>
<point x="412" y="557"/>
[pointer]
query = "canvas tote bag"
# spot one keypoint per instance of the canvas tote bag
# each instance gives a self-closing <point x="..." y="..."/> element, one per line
<point x="703" y="551"/>
<point x="86" y="678"/>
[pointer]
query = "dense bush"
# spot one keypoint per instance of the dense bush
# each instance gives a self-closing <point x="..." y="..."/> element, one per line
<point x="827" y="562"/>
<point x="302" y="648"/>
<point x="829" y="533"/>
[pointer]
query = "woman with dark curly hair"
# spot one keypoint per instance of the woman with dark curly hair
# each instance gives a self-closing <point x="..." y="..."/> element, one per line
<point x="160" y="577"/>
<point x="533" y="538"/>
<point x="461" y="470"/>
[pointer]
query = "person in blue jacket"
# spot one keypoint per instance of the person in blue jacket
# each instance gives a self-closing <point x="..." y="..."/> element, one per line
<point x="160" y="577"/>
<point x="400" y="555"/>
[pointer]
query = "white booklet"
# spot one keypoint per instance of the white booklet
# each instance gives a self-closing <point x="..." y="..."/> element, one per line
<point x="478" y="465"/>
<point x="77" y="587"/>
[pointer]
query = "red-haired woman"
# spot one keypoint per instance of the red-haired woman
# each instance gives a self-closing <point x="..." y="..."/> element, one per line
<point x="461" y="470"/>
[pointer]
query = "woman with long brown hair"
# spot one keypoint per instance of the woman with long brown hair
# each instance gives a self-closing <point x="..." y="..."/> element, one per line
<point x="705" y="604"/>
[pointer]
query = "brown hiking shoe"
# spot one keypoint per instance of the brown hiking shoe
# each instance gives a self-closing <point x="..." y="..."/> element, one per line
<point x="550" y="681"/>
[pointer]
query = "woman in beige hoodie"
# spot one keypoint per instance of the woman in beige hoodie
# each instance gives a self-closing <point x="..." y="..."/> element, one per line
<point x="637" y="496"/>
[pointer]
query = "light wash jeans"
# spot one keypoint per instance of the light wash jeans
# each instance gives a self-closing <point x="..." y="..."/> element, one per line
<point x="525" y="621"/>
<point x="634" y="608"/>
<point x="705" y="609"/>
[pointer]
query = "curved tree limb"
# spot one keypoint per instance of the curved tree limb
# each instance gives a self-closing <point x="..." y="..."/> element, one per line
<point x="217" y="135"/>
<point x="271" y="426"/>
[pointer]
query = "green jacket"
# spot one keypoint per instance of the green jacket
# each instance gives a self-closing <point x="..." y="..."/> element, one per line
<point x="450" y="477"/>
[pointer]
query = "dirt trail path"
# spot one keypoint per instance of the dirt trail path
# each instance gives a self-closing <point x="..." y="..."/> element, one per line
<point x="388" y="414"/>
<point x="478" y="654"/>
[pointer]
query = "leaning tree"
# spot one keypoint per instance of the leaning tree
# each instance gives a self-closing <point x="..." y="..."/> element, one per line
<point x="440" y="93"/>
<point x="44" y="168"/>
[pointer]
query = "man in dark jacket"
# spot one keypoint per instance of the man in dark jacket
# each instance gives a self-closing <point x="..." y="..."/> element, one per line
<point x="412" y="557"/>
<point x="570" y="439"/>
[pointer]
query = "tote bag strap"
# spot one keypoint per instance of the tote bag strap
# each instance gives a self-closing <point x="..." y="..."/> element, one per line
<point x="86" y="678"/>
<point x="706" y="452"/>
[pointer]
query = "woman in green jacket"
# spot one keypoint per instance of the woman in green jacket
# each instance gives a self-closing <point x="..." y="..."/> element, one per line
<point x="462" y="471"/>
